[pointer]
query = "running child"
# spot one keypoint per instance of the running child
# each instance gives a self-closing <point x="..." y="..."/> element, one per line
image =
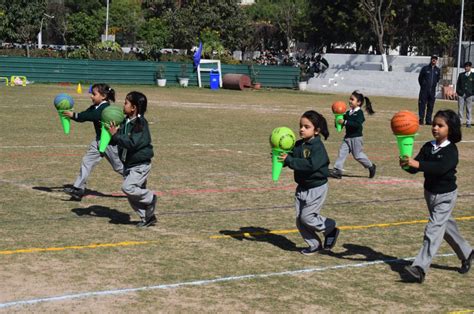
<point x="310" y="161"/>
<point x="135" y="150"/>
<point x="438" y="160"/>
<point x="101" y="96"/>
<point x="353" y="141"/>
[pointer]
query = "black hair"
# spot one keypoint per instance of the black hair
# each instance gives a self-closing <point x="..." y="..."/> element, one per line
<point x="318" y="121"/>
<point x="468" y="64"/>
<point x="454" y="124"/>
<point x="138" y="100"/>
<point x="361" y="98"/>
<point x="105" y="90"/>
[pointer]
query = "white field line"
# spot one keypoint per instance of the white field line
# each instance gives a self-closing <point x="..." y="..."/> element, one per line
<point x="201" y="282"/>
<point x="197" y="144"/>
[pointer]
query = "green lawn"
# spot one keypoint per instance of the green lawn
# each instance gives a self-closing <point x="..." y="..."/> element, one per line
<point x="212" y="172"/>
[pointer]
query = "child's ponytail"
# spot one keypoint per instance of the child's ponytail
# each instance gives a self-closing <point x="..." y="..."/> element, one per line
<point x="368" y="106"/>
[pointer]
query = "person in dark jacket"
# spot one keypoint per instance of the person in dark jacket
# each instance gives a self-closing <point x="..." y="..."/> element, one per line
<point x="428" y="79"/>
<point x="353" y="142"/>
<point x="438" y="160"/>
<point x="465" y="92"/>
<point x="101" y="95"/>
<point x="135" y="151"/>
<point x="310" y="161"/>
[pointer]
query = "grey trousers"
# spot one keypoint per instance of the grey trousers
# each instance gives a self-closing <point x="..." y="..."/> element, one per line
<point x="134" y="186"/>
<point x="92" y="158"/>
<point x="441" y="224"/>
<point x="308" y="204"/>
<point x="464" y="101"/>
<point x="352" y="146"/>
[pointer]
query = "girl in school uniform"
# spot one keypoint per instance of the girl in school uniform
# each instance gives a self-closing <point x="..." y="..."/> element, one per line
<point x="438" y="160"/>
<point x="135" y="151"/>
<point x="101" y="95"/>
<point x="353" y="141"/>
<point x="310" y="161"/>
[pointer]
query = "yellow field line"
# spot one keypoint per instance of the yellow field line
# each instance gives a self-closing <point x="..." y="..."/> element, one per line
<point x="462" y="312"/>
<point x="382" y="225"/>
<point x="76" y="247"/>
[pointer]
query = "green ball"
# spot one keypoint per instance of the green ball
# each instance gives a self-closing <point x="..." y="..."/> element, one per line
<point x="113" y="113"/>
<point x="283" y="138"/>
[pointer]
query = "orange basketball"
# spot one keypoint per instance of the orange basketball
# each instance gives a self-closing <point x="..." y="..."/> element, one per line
<point x="404" y="123"/>
<point x="339" y="107"/>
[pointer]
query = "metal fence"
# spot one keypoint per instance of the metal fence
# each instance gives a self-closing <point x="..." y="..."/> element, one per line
<point x="51" y="70"/>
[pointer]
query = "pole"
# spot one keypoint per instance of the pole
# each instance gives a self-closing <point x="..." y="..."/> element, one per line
<point x="40" y="35"/>
<point x="459" y="44"/>
<point x="107" y="22"/>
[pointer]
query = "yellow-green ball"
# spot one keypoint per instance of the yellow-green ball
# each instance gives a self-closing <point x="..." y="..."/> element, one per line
<point x="283" y="138"/>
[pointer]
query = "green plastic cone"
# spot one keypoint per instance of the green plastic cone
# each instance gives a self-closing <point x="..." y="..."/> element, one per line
<point x="277" y="165"/>
<point x="338" y="116"/>
<point x="105" y="138"/>
<point x="405" y="145"/>
<point x="65" y="121"/>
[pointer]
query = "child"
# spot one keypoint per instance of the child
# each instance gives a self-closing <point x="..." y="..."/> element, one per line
<point x="353" y="141"/>
<point x="135" y="150"/>
<point x="310" y="161"/>
<point x="101" y="95"/>
<point x="438" y="160"/>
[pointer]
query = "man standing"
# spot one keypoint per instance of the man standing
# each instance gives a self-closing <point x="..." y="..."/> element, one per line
<point x="465" y="92"/>
<point x="428" y="79"/>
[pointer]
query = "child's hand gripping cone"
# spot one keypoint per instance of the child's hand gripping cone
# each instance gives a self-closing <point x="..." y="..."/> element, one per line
<point x="282" y="141"/>
<point x="339" y="108"/>
<point x="404" y="125"/>
<point x="64" y="102"/>
<point x="110" y="114"/>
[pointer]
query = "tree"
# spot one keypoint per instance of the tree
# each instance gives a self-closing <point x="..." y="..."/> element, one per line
<point x="378" y="12"/>
<point x="83" y="29"/>
<point x="156" y="35"/>
<point x="127" y="17"/>
<point x="21" y="20"/>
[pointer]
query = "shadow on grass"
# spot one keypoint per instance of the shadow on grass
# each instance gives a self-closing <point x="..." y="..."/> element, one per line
<point x="87" y="193"/>
<point x="396" y="264"/>
<point x="261" y="235"/>
<point x="115" y="216"/>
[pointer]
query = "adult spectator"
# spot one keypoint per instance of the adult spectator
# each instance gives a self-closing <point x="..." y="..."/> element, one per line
<point x="428" y="79"/>
<point x="465" y="92"/>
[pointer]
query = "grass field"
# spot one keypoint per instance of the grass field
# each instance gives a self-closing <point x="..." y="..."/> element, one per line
<point x="226" y="238"/>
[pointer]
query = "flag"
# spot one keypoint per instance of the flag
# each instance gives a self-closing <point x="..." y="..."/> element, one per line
<point x="197" y="56"/>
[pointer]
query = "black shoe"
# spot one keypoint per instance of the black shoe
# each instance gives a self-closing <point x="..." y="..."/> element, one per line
<point x="75" y="193"/>
<point x="468" y="126"/>
<point x="310" y="250"/>
<point x="420" y="122"/>
<point x="148" y="222"/>
<point x="416" y="273"/>
<point x="330" y="239"/>
<point x="372" y="171"/>
<point x="335" y="173"/>
<point x="428" y="123"/>
<point x="466" y="264"/>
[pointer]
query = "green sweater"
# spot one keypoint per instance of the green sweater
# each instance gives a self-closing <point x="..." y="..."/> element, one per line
<point x="134" y="147"/>
<point x="310" y="162"/>
<point x="438" y="166"/>
<point x="353" y="123"/>
<point x="93" y="115"/>
<point x="465" y="85"/>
